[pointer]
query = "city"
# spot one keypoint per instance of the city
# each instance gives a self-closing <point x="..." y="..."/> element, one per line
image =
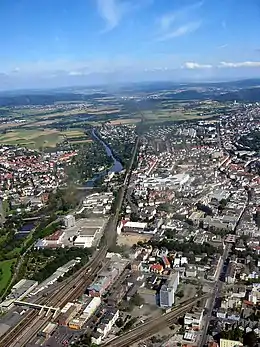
<point x="129" y="173"/>
<point x="157" y="245"/>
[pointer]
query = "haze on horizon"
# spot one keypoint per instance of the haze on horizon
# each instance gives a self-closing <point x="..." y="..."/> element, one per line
<point x="56" y="43"/>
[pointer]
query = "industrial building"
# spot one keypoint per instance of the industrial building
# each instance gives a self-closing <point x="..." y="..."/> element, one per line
<point x="168" y="290"/>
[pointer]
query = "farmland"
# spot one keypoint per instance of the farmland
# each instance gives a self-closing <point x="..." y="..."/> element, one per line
<point x="40" y="138"/>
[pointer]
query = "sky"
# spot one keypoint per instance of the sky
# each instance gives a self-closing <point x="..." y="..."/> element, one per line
<point x="52" y="43"/>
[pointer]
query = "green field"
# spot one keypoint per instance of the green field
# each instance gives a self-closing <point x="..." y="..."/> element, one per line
<point x="6" y="274"/>
<point x="161" y="115"/>
<point x="38" y="138"/>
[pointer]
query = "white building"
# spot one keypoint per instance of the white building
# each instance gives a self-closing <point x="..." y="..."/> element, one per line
<point x="168" y="290"/>
<point x="193" y="320"/>
<point x="83" y="241"/>
<point x="69" y="221"/>
<point x="91" y="307"/>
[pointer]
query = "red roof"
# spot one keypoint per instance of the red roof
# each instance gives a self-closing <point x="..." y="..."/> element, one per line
<point x="55" y="236"/>
<point x="157" y="267"/>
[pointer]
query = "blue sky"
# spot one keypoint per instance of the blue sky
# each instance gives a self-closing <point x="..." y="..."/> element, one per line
<point x="65" y="42"/>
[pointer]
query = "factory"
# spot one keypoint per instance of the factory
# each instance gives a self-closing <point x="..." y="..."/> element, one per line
<point x="88" y="231"/>
<point x="84" y="233"/>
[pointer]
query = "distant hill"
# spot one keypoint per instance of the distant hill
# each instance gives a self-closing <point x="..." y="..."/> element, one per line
<point x="243" y="90"/>
<point x="245" y="95"/>
<point x="45" y="99"/>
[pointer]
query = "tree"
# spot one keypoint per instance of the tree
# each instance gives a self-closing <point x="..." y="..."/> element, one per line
<point x="137" y="300"/>
<point x="250" y="339"/>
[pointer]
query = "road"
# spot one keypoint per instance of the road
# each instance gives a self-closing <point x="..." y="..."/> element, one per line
<point x="211" y="301"/>
<point x="219" y="284"/>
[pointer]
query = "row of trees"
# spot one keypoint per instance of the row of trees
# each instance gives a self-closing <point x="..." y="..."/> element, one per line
<point x="61" y="257"/>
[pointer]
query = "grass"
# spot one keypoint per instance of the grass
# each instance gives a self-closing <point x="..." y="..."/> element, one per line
<point x="7" y="273"/>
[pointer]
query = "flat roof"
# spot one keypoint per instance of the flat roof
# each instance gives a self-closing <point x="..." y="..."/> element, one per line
<point x="88" y="231"/>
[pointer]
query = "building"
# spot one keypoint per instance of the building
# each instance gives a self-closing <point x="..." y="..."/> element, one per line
<point x="134" y="227"/>
<point x="104" y="280"/>
<point x="68" y="312"/>
<point x="168" y="290"/>
<point x="22" y="288"/>
<point x="91" y="307"/>
<point x="193" y="320"/>
<point x="105" y="325"/>
<point x="231" y="273"/>
<point x="48" y="330"/>
<point x="191" y="271"/>
<point x="166" y="262"/>
<point x="229" y="343"/>
<point x="54" y="240"/>
<point x="69" y="221"/>
<point x="83" y="241"/>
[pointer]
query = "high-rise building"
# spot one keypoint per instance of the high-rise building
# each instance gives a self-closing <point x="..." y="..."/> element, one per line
<point x="168" y="290"/>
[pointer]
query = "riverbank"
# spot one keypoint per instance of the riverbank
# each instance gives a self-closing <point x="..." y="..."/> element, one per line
<point x="115" y="167"/>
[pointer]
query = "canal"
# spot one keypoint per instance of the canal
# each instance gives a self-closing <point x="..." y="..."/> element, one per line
<point x="116" y="167"/>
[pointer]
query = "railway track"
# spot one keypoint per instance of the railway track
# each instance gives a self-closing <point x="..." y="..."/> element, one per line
<point x="152" y="326"/>
<point x="71" y="290"/>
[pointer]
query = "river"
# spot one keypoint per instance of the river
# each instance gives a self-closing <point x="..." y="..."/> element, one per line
<point x="117" y="166"/>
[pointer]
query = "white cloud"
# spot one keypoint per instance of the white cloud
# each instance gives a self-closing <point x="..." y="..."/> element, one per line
<point x="112" y="12"/>
<point x="178" y="23"/>
<point x="240" y="64"/>
<point x="193" y="66"/>
<point x="224" y="24"/>
<point x="223" y="46"/>
<point x="180" y="31"/>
